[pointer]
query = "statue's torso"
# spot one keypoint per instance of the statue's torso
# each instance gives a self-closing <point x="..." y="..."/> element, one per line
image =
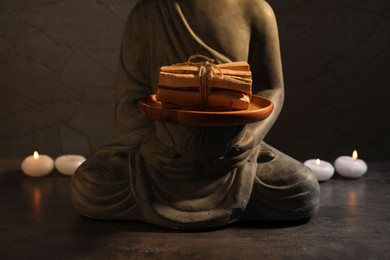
<point x="224" y="25"/>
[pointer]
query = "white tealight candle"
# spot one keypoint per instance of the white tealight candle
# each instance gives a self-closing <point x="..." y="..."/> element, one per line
<point x="350" y="167"/>
<point x="37" y="165"/>
<point x="67" y="164"/>
<point x="322" y="169"/>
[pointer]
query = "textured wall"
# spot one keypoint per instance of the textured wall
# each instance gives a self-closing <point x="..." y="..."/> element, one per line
<point x="58" y="61"/>
<point x="336" y="59"/>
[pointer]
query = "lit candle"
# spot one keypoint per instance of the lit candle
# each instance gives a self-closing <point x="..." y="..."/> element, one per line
<point x="350" y="167"/>
<point x="37" y="165"/>
<point x="67" y="164"/>
<point x="321" y="169"/>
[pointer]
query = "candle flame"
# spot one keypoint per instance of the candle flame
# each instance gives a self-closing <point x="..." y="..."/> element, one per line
<point x="318" y="161"/>
<point x="354" y="155"/>
<point x="36" y="155"/>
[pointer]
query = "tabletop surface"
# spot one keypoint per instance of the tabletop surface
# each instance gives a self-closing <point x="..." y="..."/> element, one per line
<point x="38" y="221"/>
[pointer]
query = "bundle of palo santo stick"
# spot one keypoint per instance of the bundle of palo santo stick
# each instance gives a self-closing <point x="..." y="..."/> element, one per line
<point x="205" y="86"/>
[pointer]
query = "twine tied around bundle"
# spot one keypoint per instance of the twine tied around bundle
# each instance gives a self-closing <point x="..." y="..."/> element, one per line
<point x="206" y="72"/>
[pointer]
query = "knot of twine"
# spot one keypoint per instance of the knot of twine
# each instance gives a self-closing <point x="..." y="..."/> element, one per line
<point x="206" y="72"/>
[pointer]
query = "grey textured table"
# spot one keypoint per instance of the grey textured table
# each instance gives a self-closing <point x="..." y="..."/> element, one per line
<point x="37" y="220"/>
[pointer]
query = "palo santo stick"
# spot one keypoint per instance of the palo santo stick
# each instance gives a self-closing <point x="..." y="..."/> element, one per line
<point x="237" y="73"/>
<point x="192" y="69"/>
<point x="178" y="80"/>
<point x="184" y="70"/>
<point x="237" y="65"/>
<point x="190" y="81"/>
<point x="218" y="98"/>
<point x="232" y="83"/>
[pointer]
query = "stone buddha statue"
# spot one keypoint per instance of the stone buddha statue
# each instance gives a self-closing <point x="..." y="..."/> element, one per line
<point x="181" y="176"/>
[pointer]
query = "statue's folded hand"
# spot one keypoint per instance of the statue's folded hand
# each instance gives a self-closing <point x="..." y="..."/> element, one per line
<point x="240" y="152"/>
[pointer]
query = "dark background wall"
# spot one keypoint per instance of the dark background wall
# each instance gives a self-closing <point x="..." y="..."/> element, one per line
<point x="58" y="61"/>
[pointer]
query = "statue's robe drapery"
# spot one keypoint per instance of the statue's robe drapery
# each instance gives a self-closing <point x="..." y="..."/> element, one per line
<point x="156" y="34"/>
<point x="163" y="181"/>
<point x="173" y="188"/>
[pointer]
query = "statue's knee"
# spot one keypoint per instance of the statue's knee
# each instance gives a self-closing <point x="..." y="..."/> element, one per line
<point x="104" y="164"/>
<point x="284" y="188"/>
<point x="100" y="186"/>
<point x="311" y="191"/>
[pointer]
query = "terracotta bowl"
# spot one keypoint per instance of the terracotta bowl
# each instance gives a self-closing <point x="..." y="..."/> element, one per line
<point x="259" y="109"/>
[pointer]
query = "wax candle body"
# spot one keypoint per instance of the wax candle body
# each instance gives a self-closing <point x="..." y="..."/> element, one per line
<point x="37" y="165"/>
<point x="322" y="169"/>
<point x="350" y="167"/>
<point x="67" y="164"/>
